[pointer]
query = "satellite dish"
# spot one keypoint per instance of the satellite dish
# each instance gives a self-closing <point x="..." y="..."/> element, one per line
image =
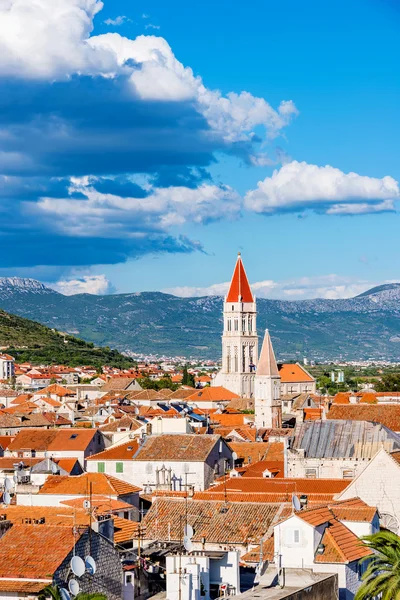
<point x="77" y="566"/>
<point x="6" y="498"/>
<point x="54" y="468"/>
<point x="73" y="586"/>
<point x="86" y="504"/>
<point x="15" y="479"/>
<point x="64" y="594"/>
<point x="90" y="565"/>
<point x="7" y="484"/>
<point x="296" y="503"/>
<point x="189" y="531"/>
<point x="234" y="455"/>
<point x="187" y="542"/>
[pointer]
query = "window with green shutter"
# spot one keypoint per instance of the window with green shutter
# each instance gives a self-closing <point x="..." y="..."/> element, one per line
<point x="101" y="467"/>
<point x="119" y="467"/>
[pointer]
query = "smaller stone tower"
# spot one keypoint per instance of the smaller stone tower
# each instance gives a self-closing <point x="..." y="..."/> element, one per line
<point x="267" y="388"/>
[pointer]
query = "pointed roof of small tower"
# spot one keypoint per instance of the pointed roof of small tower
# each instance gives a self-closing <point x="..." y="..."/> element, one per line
<point x="239" y="290"/>
<point x="267" y="362"/>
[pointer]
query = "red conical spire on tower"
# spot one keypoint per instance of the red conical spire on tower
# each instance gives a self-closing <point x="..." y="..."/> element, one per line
<point x="239" y="290"/>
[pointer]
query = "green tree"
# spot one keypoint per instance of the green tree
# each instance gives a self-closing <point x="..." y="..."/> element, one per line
<point x="187" y="378"/>
<point x="389" y="383"/>
<point x="52" y="592"/>
<point x="381" y="578"/>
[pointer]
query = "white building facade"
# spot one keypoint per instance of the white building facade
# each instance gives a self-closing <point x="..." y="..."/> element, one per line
<point x="239" y="339"/>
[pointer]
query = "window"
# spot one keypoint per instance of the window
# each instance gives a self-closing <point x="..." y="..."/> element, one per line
<point x="292" y="536"/>
<point x="119" y="467"/>
<point x="236" y="324"/>
<point x="311" y="473"/>
<point x="348" y="473"/>
<point x="73" y="436"/>
<point x="243" y="323"/>
<point x="229" y="324"/>
<point x="128" y="578"/>
<point x="101" y="467"/>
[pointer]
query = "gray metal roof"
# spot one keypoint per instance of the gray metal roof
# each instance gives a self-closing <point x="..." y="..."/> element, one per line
<point x="343" y="439"/>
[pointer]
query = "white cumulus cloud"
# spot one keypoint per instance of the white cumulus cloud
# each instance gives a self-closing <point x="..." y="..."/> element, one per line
<point x="298" y="186"/>
<point x="162" y="209"/>
<point x="66" y="47"/>
<point x="303" y="288"/>
<point x="88" y="284"/>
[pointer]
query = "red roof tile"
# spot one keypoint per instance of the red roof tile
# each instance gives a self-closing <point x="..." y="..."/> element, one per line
<point x="292" y="373"/>
<point x="239" y="289"/>
<point x="33" y="551"/>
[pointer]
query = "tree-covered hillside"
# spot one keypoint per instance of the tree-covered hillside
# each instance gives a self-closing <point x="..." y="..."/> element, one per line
<point x="29" y="341"/>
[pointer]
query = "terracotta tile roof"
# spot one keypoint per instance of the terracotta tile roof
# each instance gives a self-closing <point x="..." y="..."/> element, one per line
<point x="5" y="441"/>
<point x="341" y="545"/>
<point x="258" y="468"/>
<point x="239" y="289"/>
<point x="50" y="401"/>
<point x="293" y="373"/>
<point x="21" y="586"/>
<point x="53" y="515"/>
<point x="252" y="452"/>
<point x="313" y="414"/>
<point x="148" y="395"/>
<point x="369" y="398"/>
<point x="126" y="422"/>
<point x="7" y="462"/>
<point x="212" y="394"/>
<point x="218" y="522"/>
<point x="254" y="555"/>
<point x="117" y="383"/>
<point x="21" y="399"/>
<point x="229" y="419"/>
<point x="19" y="409"/>
<point x="121" y="452"/>
<point x="101" y="504"/>
<point x="315" y="516"/>
<point x="22" y="420"/>
<point x="241" y="403"/>
<point x="56" y="418"/>
<point x="176" y="447"/>
<point x="57" y="390"/>
<point x="124" y="530"/>
<point x="181" y="394"/>
<point x="52" y="439"/>
<point x="79" y="485"/>
<point x="278" y="497"/>
<point x="387" y="414"/>
<point x="30" y="551"/>
<point x="342" y="398"/>
<point x="285" y="486"/>
<point x="67" y="464"/>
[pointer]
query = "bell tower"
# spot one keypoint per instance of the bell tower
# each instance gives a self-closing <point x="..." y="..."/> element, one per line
<point x="239" y="338"/>
<point x="267" y="389"/>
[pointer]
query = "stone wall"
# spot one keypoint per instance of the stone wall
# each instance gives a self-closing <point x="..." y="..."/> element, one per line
<point x="108" y="577"/>
<point x="327" y="589"/>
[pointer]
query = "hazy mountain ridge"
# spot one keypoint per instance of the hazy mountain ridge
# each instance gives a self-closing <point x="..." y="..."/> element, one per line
<point x="367" y="326"/>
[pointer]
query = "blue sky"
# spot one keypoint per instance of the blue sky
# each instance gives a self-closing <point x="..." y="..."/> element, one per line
<point x="142" y="145"/>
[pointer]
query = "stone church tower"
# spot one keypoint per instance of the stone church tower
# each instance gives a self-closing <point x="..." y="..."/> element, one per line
<point x="267" y="388"/>
<point x="239" y="339"/>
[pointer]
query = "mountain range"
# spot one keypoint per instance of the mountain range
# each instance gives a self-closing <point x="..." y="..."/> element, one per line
<point x="364" y="327"/>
